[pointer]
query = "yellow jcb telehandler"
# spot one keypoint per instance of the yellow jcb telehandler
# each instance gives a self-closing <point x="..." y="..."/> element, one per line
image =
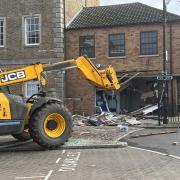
<point x="44" y="119"/>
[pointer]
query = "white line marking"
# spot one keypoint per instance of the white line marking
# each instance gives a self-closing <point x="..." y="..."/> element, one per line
<point x="129" y="134"/>
<point x="155" y="152"/>
<point x="176" y="157"/>
<point x="70" y="163"/>
<point x="57" y="161"/>
<point x="31" y="177"/>
<point x="63" y="151"/>
<point x="49" y="174"/>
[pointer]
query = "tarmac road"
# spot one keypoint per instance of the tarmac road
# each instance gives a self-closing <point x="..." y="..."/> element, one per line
<point x="160" y="143"/>
<point x="31" y="162"/>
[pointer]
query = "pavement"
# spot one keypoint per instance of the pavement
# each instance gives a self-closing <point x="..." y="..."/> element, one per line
<point x="92" y="164"/>
<point x="146" y="158"/>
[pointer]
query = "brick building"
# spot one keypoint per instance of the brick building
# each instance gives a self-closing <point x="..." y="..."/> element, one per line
<point x="73" y="7"/>
<point x="128" y="36"/>
<point x="33" y="31"/>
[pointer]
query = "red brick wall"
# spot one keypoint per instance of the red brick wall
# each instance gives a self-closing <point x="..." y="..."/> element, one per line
<point x="132" y="62"/>
<point x="81" y="92"/>
<point x="176" y="48"/>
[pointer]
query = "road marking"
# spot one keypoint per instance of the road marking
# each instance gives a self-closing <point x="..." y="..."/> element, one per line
<point x="35" y="177"/>
<point x="155" y="152"/>
<point x="63" y="151"/>
<point x="31" y="177"/>
<point x="57" y="161"/>
<point x="176" y="157"/>
<point x="129" y="134"/>
<point x="49" y="174"/>
<point x="71" y="162"/>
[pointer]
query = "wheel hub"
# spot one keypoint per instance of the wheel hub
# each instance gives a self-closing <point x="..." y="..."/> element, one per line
<point x="52" y="125"/>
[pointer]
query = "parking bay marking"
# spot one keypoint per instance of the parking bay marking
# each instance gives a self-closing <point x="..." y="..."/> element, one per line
<point x="31" y="177"/>
<point x="49" y="174"/>
<point x="35" y="177"/>
<point x="63" y="151"/>
<point x="71" y="162"/>
<point x="57" y="161"/>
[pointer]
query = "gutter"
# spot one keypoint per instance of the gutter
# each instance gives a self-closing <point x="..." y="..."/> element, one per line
<point x="117" y="25"/>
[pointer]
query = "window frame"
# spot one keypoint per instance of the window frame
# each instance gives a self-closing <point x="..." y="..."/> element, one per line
<point x="141" y="44"/>
<point x="93" y="47"/>
<point x="25" y="30"/>
<point x="26" y="87"/>
<point x="4" y="32"/>
<point x="109" y="54"/>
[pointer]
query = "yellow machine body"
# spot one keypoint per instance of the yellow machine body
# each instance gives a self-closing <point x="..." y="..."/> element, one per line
<point x="15" y="113"/>
<point x="105" y="79"/>
<point x="5" y="113"/>
<point x="29" y="73"/>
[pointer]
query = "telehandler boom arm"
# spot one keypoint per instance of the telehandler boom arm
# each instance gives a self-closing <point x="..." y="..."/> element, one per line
<point x="104" y="79"/>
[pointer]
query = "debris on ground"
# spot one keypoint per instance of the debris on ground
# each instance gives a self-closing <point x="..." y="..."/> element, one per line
<point x="152" y="134"/>
<point x="145" y="110"/>
<point x="175" y="143"/>
<point x="101" y="133"/>
<point x="105" y="119"/>
<point x="123" y="128"/>
<point x="132" y="121"/>
<point x="103" y="127"/>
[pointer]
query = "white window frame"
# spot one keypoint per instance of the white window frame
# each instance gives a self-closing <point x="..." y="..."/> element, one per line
<point x="4" y="31"/>
<point x="37" y="83"/>
<point x="25" y="30"/>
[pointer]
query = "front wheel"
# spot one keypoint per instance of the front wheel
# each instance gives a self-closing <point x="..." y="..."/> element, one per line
<point x="51" y="126"/>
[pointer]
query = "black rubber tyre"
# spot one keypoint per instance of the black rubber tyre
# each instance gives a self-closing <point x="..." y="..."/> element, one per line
<point x="37" y="121"/>
<point x="24" y="136"/>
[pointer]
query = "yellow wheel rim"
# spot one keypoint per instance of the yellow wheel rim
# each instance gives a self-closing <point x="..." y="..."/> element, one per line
<point x="26" y="130"/>
<point x="54" y="125"/>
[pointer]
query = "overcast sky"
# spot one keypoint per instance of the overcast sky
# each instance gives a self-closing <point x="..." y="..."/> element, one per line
<point x="173" y="6"/>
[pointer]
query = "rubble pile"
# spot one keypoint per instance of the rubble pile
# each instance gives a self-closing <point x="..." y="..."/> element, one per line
<point x="149" y="109"/>
<point x="105" y="119"/>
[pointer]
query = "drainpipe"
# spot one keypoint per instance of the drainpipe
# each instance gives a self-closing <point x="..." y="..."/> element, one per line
<point x="164" y="36"/>
<point x="65" y="56"/>
<point x="171" y="50"/>
<point x="64" y="5"/>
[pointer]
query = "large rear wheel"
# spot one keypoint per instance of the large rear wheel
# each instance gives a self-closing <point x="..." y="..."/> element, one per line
<point x="51" y="125"/>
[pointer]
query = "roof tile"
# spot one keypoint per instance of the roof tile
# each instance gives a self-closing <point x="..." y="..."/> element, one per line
<point x="119" y="15"/>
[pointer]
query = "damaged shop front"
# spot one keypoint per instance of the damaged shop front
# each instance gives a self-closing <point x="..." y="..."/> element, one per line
<point x="137" y="94"/>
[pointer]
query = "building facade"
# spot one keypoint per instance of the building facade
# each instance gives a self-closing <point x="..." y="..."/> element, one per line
<point x="72" y="8"/>
<point x="131" y="41"/>
<point x="32" y="31"/>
